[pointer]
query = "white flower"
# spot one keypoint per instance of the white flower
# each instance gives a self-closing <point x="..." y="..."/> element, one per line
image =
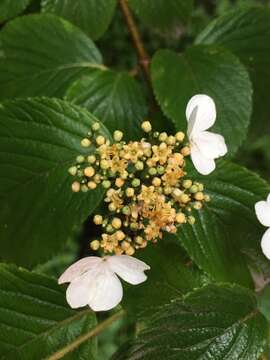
<point x="93" y="280"/>
<point x="205" y="146"/>
<point x="262" y="209"/>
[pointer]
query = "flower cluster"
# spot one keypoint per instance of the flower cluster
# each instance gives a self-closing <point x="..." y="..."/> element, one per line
<point x="147" y="191"/>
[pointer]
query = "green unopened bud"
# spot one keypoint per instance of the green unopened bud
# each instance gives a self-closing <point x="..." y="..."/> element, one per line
<point x="84" y="188"/>
<point x="160" y="170"/>
<point x="152" y="171"/>
<point x="136" y="182"/>
<point x="193" y="189"/>
<point x="126" y="210"/>
<point x="96" y="126"/>
<point x="80" y="159"/>
<point x="106" y="184"/>
<point x="191" y="220"/>
<point x="72" y="170"/>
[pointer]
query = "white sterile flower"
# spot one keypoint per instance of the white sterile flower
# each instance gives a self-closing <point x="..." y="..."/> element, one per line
<point x="262" y="209"/>
<point x="205" y="146"/>
<point x="93" y="280"/>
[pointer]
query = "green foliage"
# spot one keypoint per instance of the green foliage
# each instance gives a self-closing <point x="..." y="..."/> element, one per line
<point x="246" y="32"/>
<point x="92" y="16"/>
<point x="227" y="225"/>
<point x="35" y="318"/>
<point x="204" y="70"/>
<point x="43" y="55"/>
<point x="11" y="8"/>
<point x="163" y="14"/>
<point x="40" y="138"/>
<point x="187" y="329"/>
<point x="116" y="98"/>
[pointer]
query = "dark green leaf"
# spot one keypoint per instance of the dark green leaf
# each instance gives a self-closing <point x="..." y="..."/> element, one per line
<point x="246" y="32"/>
<point x="35" y="320"/>
<point x="43" y="55"/>
<point x="115" y="98"/>
<point x="214" y="323"/>
<point x="92" y="16"/>
<point x="11" y="8"/>
<point x="205" y="70"/>
<point x="163" y="14"/>
<point x="227" y="224"/>
<point x="264" y="302"/>
<point x="169" y="278"/>
<point x="40" y="139"/>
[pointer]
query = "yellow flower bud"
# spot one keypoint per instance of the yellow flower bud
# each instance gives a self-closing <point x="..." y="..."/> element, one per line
<point x="118" y="135"/>
<point x="117" y="223"/>
<point x="94" y="245"/>
<point x="96" y="126"/>
<point x="130" y="251"/>
<point x="85" y="142"/>
<point x="187" y="184"/>
<point x="171" y="140"/>
<point x="180" y="136"/>
<point x="185" y="151"/>
<point x="89" y="171"/>
<point x="119" y="182"/>
<point x="92" y="185"/>
<point x="100" y="140"/>
<point x="130" y="192"/>
<point x="120" y="235"/>
<point x="146" y="126"/>
<point x="91" y="159"/>
<point x="72" y="170"/>
<point x="76" y="186"/>
<point x="163" y="136"/>
<point x="184" y="198"/>
<point x="112" y="207"/>
<point x="125" y="245"/>
<point x="98" y="219"/>
<point x="199" y="196"/>
<point x="191" y="220"/>
<point x="104" y="164"/>
<point x="156" y="181"/>
<point x="180" y="218"/>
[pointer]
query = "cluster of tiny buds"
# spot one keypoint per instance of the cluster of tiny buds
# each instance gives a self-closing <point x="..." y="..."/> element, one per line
<point x="147" y="189"/>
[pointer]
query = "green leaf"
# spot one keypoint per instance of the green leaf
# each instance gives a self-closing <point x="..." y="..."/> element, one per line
<point x="115" y="98"/>
<point x="40" y="139"/>
<point x="43" y="55"/>
<point x="204" y="70"/>
<point x="92" y="16"/>
<point x="214" y="322"/>
<point x="35" y="320"/>
<point x="163" y="14"/>
<point x="246" y="32"/>
<point x="169" y="278"/>
<point x="11" y="8"/>
<point x="264" y="302"/>
<point x="227" y="224"/>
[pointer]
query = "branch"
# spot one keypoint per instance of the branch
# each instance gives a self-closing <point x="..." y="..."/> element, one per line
<point x="144" y="59"/>
<point x="81" y="339"/>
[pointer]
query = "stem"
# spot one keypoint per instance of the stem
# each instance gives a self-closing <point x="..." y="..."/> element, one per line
<point x="81" y="339"/>
<point x="144" y="59"/>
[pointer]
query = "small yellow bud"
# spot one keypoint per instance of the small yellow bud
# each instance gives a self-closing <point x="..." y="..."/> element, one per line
<point x="163" y="146"/>
<point x="199" y="196"/>
<point x="184" y="198"/>
<point x="146" y="126"/>
<point x="92" y="185"/>
<point x="120" y="235"/>
<point x="118" y="135"/>
<point x="180" y="218"/>
<point x="163" y="136"/>
<point x="84" y="188"/>
<point x="100" y="140"/>
<point x="125" y="245"/>
<point x="85" y="142"/>
<point x="72" y="170"/>
<point x="130" y="192"/>
<point x="97" y="178"/>
<point x="187" y="184"/>
<point x="167" y="190"/>
<point x="130" y="251"/>
<point x="180" y="136"/>
<point x="197" y="205"/>
<point x="191" y="220"/>
<point x="94" y="245"/>
<point x="139" y="165"/>
<point x="91" y="159"/>
<point x="156" y="181"/>
<point x="139" y="240"/>
<point x="80" y="159"/>
<point x="177" y="193"/>
<point x="98" y="219"/>
<point x="116" y="223"/>
<point x="112" y="207"/>
<point x="119" y="182"/>
<point x="171" y="140"/>
<point x="89" y="171"/>
<point x="76" y="186"/>
<point x="104" y="164"/>
<point x="96" y="126"/>
<point x="185" y="151"/>
<point x="207" y="198"/>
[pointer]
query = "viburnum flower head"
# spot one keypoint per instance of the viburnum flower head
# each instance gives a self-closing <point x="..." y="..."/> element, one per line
<point x="94" y="280"/>
<point x="205" y="146"/>
<point x="262" y="209"/>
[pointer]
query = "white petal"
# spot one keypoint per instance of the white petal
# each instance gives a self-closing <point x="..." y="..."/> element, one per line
<point x="268" y="198"/>
<point x="78" y="291"/>
<point x="262" y="209"/>
<point x="106" y="290"/>
<point x="210" y="144"/>
<point x="265" y="243"/>
<point x="80" y="267"/>
<point x="128" y="268"/>
<point x="202" y="164"/>
<point x="200" y="113"/>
